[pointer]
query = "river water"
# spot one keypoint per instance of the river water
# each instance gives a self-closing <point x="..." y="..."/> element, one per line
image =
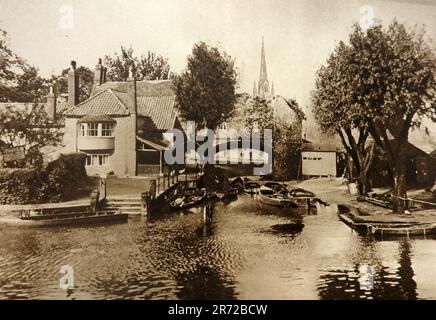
<point x="249" y="252"/>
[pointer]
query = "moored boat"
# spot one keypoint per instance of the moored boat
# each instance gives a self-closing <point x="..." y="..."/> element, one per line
<point x="68" y="219"/>
<point x="421" y="229"/>
<point x="302" y="197"/>
<point x="189" y="200"/>
<point x="251" y="187"/>
<point x="269" y="197"/>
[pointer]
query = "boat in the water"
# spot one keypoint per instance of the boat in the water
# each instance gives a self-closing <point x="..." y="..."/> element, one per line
<point x="189" y="200"/>
<point x="269" y="197"/>
<point x="277" y="187"/>
<point x="302" y="197"/>
<point x="237" y="183"/>
<point x="421" y="229"/>
<point x="68" y="219"/>
<point x="251" y="187"/>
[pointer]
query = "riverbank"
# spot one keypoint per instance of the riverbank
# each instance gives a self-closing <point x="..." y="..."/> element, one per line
<point x="364" y="213"/>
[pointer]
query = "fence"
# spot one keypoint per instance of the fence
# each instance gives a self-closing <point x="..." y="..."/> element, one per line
<point x="171" y="178"/>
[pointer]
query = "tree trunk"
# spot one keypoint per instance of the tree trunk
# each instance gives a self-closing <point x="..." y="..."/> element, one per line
<point x="399" y="193"/>
<point x="363" y="184"/>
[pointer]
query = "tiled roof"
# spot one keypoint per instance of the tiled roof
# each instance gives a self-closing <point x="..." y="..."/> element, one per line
<point x="155" y="99"/>
<point x="143" y="88"/>
<point x="60" y="109"/>
<point x="96" y="119"/>
<point x="159" y="145"/>
<point x="160" y="109"/>
<point x="105" y="102"/>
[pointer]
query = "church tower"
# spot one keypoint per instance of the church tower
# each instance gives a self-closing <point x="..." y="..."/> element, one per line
<point x="263" y="84"/>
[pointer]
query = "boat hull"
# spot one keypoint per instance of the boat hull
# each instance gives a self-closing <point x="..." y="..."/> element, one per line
<point x="41" y="221"/>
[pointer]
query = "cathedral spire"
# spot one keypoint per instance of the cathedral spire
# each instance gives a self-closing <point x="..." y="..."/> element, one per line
<point x="254" y="89"/>
<point x="272" y="88"/>
<point x="263" y="84"/>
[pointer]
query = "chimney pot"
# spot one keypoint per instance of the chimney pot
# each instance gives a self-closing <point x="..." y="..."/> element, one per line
<point x="51" y="105"/>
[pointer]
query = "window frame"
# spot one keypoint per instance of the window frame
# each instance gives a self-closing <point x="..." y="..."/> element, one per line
<point x="97" y="160"/>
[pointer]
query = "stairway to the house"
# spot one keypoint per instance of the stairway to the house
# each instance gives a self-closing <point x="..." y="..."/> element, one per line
<point x="131" y="205"/>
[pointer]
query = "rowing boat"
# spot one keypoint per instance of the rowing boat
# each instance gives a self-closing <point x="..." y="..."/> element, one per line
<point x="68" y="219"/>
<point x="269" y="197"/>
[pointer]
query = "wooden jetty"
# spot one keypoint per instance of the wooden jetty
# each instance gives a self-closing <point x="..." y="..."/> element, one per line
<point x="382" y="227"/>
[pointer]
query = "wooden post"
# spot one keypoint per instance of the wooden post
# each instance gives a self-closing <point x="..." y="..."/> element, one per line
<point x="160" y="162"/>
<point x="145" y="203"/>
<point x="158" y="182"/>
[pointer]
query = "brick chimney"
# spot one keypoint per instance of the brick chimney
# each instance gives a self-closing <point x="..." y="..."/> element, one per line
<point x="99" y="73"/>
<point x="73" y="86"/>
<point x="51" y="105"/>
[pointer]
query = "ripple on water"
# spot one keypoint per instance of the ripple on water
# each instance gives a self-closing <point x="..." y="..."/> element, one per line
<point x="245" y="251"/>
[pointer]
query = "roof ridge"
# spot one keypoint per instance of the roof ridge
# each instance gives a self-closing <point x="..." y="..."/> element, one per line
<point x="86" y="100"/>
<point x="118" y="99"/>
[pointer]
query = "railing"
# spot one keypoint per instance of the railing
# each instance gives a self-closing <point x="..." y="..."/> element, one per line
<point x="171" y="178"/>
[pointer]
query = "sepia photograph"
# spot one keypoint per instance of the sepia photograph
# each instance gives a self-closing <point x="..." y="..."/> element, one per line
<point x="236" y="151"/>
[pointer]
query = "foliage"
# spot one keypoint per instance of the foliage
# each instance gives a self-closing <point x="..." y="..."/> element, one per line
<point x="28" y="126"/>
<point x="86" y="81"/>
<point x="60" y="181"/>
<point x="19" y="81"/>
<point x="149" y="66"/>
<point x="384" y="78"/>
<point x="206" y="88"/>
<point x="252" y="113"/>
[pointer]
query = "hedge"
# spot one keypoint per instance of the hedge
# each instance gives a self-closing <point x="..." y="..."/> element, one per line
<point x="59" y="181"/>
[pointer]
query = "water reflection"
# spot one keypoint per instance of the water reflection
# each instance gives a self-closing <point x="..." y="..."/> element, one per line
<point x="248" y="252"/>
<point x="387" y="282"/>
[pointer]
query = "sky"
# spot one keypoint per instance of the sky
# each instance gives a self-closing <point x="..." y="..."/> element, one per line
<point x="299" y="34"/>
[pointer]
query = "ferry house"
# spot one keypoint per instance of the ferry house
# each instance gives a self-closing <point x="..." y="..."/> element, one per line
<point x="121" y="126"/>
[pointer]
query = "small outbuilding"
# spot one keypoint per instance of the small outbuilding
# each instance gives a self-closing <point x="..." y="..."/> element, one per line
<point x="320" y="160"/>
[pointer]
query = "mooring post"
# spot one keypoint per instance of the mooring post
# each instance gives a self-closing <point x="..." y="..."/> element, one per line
<point x="158" y="182"/>
<point x="145" y="203"/>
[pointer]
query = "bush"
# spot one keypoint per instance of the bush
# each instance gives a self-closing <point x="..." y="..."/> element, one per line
<point x="59" y="181"/>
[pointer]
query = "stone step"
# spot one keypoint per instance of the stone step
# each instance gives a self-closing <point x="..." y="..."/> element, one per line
<point x="124" y="203"/>
<point x="127" y="210"/>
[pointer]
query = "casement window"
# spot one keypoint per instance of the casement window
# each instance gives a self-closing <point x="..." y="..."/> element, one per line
<point x="106" y="129"/>
<point x="97" y="160"/>
<point x="96" y="129"/>
<point x="83" y="129"/>
<point x="92" y="129"/>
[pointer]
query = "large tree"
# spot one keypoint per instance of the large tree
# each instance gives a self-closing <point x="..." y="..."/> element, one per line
<point x="86" y="80"/>
<point x="148" y="66"/>
<point x="390" y="83"/>
<point x="28" y="126"/>
<point x="19" y="81"/>
<point x="205" y="90"/>
<point x="331" y="107"/>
